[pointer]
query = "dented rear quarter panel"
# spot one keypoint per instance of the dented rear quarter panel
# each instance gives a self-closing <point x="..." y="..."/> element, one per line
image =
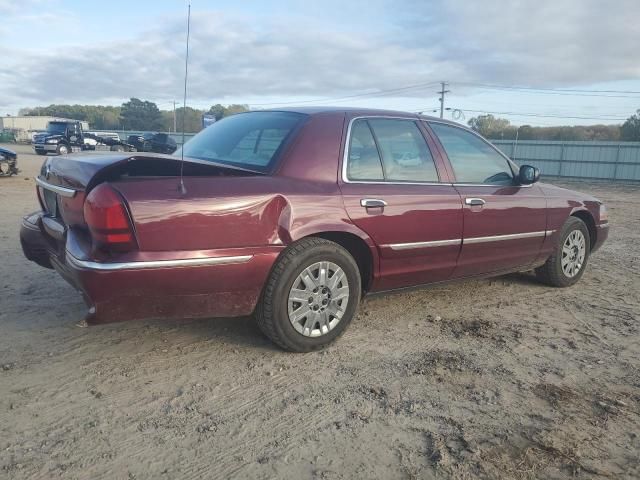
<point x="300" y="198"/>
<point x="225" y="212"/>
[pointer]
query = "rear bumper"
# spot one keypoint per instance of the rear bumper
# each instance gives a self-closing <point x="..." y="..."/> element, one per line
<point x="222" y="283"/>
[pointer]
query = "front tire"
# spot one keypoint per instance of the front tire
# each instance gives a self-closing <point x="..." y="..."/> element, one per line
<point x="569" y="259"/>
<point x="63" y="149"/>
<point x="311" y="295"/>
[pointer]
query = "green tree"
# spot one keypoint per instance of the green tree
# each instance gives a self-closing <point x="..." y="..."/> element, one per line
<point x="630" y="129"/>
<point x="99" y="117"/>
<point x="217" y="111"/>
<point x="489" y="126"/>
<point x="192" y="119"/>
<point x="220" y="111"/>
<point x="139" y="114"/>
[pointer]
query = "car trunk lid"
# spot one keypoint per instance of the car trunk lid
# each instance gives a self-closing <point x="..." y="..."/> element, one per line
<point x="64" y="181"/>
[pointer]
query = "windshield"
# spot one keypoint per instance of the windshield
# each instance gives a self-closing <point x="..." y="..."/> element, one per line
<point x="57" y="128"/>
<point x="248" y="140"/>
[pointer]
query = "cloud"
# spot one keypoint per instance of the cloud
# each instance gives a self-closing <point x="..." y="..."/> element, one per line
<point x="540" y="43"/>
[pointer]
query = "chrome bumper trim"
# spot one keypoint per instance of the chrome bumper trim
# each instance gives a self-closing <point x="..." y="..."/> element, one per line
<point x="47" y="147"/>
<point x="62" y="191"/>
<point x="187" y="262"/>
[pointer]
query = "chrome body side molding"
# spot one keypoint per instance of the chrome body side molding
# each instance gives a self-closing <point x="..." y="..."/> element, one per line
<point x="472" y="240"/>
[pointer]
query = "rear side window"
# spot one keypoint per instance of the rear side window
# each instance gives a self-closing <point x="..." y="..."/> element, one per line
<point x="473" y="160"/>
<point x="364" y="161"/>
<point x="392" y="150"/>
<point x="249" y="140"/>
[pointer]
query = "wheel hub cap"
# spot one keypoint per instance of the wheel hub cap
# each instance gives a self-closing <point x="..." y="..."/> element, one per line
<point x="573" y="253"/>
<point x="318" y="299"/>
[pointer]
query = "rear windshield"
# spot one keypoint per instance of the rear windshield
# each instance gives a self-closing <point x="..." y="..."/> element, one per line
<point x="248" y="140"/>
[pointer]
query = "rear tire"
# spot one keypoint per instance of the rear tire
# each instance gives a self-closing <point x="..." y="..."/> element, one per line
<point x="570" y="256"/>
<point x="325" y="279"/>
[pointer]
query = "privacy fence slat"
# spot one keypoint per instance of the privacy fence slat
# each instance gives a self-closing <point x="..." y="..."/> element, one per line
<point x="588" y="160"/>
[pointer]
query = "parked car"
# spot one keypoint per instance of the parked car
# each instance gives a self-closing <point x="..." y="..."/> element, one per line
<point x="8" y="162"/>
<point x="93" y="139"/>
<point x="153" y="142"/>
<point x="294" y="215"/>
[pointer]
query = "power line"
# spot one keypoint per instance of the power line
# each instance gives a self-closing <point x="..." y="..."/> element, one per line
<point x="556" y="91"/>
<point x="358" y="95"/>
<point x="516" y="87"/>
<point x="542" y="115"/>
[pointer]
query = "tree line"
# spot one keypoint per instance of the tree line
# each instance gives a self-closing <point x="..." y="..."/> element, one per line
<point x="139" y="114"/>
<point x="136" y="114"/>
<point x="497" y="128"/>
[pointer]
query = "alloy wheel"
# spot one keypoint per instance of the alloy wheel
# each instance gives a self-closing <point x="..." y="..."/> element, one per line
<point x="573" y="253"/>
<point x="318" y="299"/>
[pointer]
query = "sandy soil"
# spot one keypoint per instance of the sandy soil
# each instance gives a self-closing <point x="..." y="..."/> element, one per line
<point x="501" y="378"/>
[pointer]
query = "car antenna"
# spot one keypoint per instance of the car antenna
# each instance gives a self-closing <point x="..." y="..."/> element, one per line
<point x="183" y="190"/>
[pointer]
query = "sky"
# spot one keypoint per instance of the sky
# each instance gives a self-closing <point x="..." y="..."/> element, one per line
<point x="544" y="62"/>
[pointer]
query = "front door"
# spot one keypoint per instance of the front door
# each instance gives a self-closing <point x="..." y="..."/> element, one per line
<point x="397" y="192"/>
<point x="504" y="222"/>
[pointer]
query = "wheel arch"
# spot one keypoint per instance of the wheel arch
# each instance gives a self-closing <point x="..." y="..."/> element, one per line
<point x="586" y="216"/>
<point x="357" y="243"/>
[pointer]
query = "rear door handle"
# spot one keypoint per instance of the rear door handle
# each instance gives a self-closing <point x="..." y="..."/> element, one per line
<point x="474" y="202"/>
<point x="372" y="203"/>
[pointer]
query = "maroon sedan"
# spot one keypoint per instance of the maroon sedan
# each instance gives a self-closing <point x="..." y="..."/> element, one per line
<point x="295" y="214"/>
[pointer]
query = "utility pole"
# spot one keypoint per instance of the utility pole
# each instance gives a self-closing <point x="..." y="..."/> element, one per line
<point x="442" y="93"/>
<point x="175" y="123"/>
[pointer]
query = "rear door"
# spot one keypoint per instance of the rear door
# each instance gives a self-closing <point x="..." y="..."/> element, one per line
<point x="396" y="189"/>
<point x="504" y="222"/>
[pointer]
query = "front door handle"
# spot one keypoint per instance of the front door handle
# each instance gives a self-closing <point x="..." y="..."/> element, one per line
<point x="474" y="202"/>
<point x="372" y="203"/>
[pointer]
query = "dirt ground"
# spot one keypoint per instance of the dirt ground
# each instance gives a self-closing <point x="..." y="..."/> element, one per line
<point x="499" y="378"/>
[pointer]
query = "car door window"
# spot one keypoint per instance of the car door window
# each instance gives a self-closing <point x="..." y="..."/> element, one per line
<point x="404" y="151"/>
<point x="391" y="150"/>
<point x="363" y="163"/>
<point x="473" y="160"/>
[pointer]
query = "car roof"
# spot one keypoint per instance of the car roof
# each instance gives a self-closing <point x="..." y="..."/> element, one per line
<point x="355" y="111"/>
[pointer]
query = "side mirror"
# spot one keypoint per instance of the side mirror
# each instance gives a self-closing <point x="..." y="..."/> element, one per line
<point x="528" y="175"/>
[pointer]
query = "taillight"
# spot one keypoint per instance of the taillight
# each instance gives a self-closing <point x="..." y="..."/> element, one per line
<point x="108" y="219"/>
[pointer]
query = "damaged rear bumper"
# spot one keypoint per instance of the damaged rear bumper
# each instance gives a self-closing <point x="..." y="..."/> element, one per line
<point x="214" y="283"/>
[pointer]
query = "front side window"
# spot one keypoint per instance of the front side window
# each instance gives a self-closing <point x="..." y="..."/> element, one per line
<point x="392" y="150"/>
<point x="473" y="160"/>
<point x="248" y="140"/>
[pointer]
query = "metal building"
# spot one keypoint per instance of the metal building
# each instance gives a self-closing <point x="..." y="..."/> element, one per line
<point x="31" y="122"/>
